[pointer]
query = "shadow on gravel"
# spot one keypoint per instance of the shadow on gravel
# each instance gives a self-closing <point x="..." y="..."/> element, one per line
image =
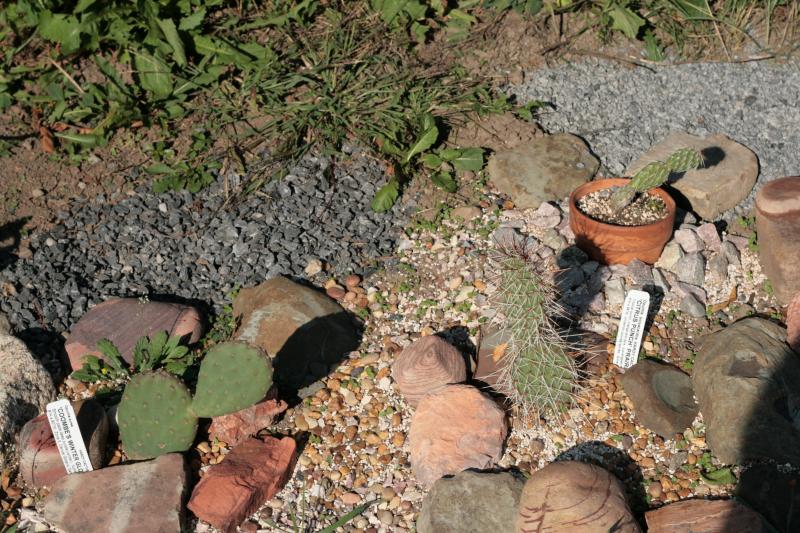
<point x="313" y="351"/>
<point x="10" y="235"/>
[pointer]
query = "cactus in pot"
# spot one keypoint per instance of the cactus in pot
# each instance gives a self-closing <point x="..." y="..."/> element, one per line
<point x="159" y="415"/>
<point x="654" y="175"/>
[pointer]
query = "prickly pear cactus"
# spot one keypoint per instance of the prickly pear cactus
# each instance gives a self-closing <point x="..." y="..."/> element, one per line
<point x="656" y="174"/>
<point x="155" y="416"/>
<point x="684" y="160"/>
<point x="233" y="375"/>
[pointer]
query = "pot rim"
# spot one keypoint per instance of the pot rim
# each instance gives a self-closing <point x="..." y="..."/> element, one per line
<point x="581" y="191"/>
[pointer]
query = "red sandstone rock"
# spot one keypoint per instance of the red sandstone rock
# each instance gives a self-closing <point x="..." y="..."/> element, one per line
<point x="572" y="496"/>
<point x="250" y="475"/>
<point x="124" y="321"/>
<point x="425" y="366"/>
<point x="778" y="226"/>
<point x="236" y="427"/>
<point x="706" y="516"/>
<point x="455" y="429"/>
<point x="132" y="498"/>
<point x="40" y="463"/>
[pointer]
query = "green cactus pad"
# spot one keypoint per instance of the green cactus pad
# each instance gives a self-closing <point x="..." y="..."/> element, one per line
<point x="233" y="376"/>
<point x="651" y="176"/>
<point x="155" y="416"/>
<point x="684" y="159"/>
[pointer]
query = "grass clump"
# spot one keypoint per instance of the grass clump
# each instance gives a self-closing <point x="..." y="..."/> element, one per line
<point x="536" y="370"/>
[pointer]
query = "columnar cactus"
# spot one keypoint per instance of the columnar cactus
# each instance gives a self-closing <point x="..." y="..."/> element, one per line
<point x="536" y="371"/>
<point x="158" y="415"/>
<point x="654" y="175"/>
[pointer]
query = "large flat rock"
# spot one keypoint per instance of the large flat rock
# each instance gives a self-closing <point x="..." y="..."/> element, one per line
<point x="132" y="498"/>
<point x="543" y="169"/>
<point x="747" y="382"/>
<point x="729" y="174"/>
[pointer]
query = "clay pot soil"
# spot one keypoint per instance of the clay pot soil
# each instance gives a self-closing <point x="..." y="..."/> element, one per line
<point x="611" y="244"/>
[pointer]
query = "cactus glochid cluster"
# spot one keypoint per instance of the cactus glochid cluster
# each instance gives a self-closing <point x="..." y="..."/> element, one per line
<point x="536" y="370"/>
<point x="656" y="174"/>
<point x="158" y="414"/>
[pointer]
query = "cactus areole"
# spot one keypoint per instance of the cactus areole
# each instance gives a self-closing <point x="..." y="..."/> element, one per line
<point x="158" y="414"/>
<point x="617" y="220"/>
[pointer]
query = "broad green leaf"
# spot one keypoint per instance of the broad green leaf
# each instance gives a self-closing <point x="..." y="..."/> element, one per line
<point x="192" y="21"/>
<point x="461" y="17"/>
<point x="470" y="159"/>
<point x="445" y="181"/>
<point x="208" y="46"/>
<point x="84" y="375"/>
<point x="415" y="9"/>
<point x="693" y="9"/>
<point x="78" y="138"/>
<point x="154" y="74"/>
<point x="83" y="5"/>
<point x="112" y="355"/>
<point x="626" y="21"/>
<point x="431" y="161"/>
<point x="59" y="28"/>
<point x="448" y="154"/>
<point x="157" y="343"/>
<point x="160" y="168"/>
<point x="386" y="197"/>
<point x="140" y="354"/>
<point x="91" y="362"/>
<point x="723" y="476"/>
<point x="426" y="140"/>
<point x="174" y="40"/>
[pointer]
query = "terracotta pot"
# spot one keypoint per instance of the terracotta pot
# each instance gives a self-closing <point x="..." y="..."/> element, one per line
<point x="612" y="244"/>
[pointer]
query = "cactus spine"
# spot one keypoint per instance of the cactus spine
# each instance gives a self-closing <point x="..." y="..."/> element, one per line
<point x="654" y="175"/>
<point x="536" y="371"/>
<point x="158" y="415"/>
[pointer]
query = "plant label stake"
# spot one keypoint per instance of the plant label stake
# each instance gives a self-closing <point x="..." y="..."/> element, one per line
<point x="631" y="328"/>
<point x="68" y="437"/>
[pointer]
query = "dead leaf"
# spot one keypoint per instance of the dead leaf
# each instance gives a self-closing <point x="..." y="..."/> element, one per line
<point x="5" y="479"/>
<point x="499" y="351"/>
<point x="59" y="126"/>
<point x="722" y="305"/>
<point x="47" y="140"/>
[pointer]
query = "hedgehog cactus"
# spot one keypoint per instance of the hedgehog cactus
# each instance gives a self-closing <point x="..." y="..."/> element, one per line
<point x="158" y="415"/>
<point x="656" y="174"/>
<point x="536" y="371"/>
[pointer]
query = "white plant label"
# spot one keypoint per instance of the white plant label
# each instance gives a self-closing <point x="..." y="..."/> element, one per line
<point x="631" y="328"/>
<point x="68" y="437"/>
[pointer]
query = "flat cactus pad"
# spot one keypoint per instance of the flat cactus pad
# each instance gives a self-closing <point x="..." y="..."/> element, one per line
<point x="155" y="416"/>
<point x="233" y="376"/>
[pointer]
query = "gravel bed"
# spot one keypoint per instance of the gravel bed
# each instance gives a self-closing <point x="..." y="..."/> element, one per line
<point x="621" y="111"/>
<point x="193" y="247"/>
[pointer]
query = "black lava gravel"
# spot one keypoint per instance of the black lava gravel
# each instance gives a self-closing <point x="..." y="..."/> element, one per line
<point x="183" y="246"/>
